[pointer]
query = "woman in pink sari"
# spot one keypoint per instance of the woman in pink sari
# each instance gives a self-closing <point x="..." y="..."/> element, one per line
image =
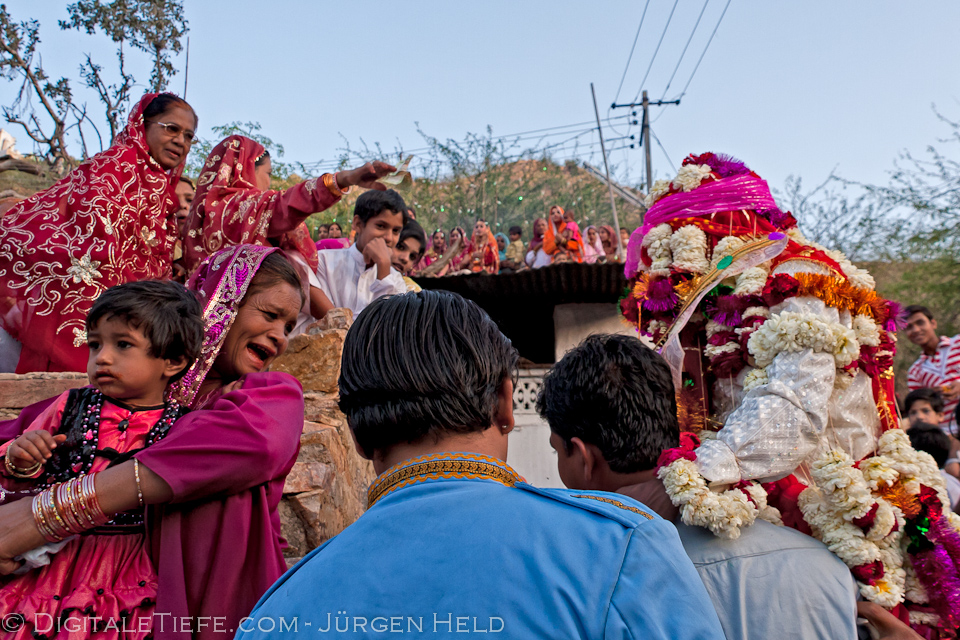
<point x="235" y="205"/>
<point x="109" y="221"/>
<point x="461" y="261"/>
<point x="593" y="248"/>
<point x="212" y="486"/>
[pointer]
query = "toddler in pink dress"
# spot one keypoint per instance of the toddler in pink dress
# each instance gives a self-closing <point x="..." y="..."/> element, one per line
<point x="142" y="336"/>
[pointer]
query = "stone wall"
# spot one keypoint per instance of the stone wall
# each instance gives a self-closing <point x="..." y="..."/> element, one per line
<point x="327" y="487"/>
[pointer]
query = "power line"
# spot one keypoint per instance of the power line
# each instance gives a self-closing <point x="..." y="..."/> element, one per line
<point x="684" y="92"/>
<point x="657" y="50"/>
<point x="684" y="52"/>
<point x="665" y="154"/>
<point x="630" y="57"/>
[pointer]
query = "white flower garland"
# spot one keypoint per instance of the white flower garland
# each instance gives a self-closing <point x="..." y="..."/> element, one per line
<point x="689" y="247"/>
<point x="793" y="332"/>
<point x="660" y="188"/>
<point x="751" y="281"/>
<point x="690" y="176"/>
<point x="657" y="244"/>
<point x="866" y="330"/>
<point x="723" y="513"/>
<point x="754" y="379"/>
<point x="725" y="247"/>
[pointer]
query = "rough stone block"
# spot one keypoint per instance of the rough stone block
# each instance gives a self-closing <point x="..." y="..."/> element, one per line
<point x="314" y="359"/>
<point x="19" y="391"/>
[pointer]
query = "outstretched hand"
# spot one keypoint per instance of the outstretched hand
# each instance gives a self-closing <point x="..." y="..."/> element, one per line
<point x="887" y="625"/>
<point x="366" y="176"/>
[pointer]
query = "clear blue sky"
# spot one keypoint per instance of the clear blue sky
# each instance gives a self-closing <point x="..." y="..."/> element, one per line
<point x="791" y="88"/>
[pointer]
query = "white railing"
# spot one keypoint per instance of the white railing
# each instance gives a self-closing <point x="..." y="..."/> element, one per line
<point x="525" y="391"/>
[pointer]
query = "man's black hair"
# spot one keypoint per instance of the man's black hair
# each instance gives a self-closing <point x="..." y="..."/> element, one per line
<point x="931" y="439"/>
<point x="372" y="203"/>
<point x="412" y="229"/>
<point x="165" y="312"/>
<point x="422" y="365"/>
<point x="933" y="396"/>
<point x="515" y="230"/>
<point x="615" y="393"/>
<point x="917" y="308"/>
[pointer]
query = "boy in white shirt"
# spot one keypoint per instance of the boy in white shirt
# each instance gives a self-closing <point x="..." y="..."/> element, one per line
<point x="354" y="277"/>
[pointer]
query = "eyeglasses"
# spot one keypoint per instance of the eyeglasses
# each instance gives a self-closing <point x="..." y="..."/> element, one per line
<point x="173" y="130"/>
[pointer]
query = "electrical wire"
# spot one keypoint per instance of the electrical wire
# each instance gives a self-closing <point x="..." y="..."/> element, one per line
<point x="665" y="154"/>
<point x="630" y="57"/>
<point x="657" y="50"/>
<point x="684" y="92"/>
<point x="684" y="52"/>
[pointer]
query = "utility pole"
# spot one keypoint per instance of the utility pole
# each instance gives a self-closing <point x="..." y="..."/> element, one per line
<point x="645" y="136"/>
<point x="186" y="70"/>
<point x="606" y="166"/>
<point x="645" y="128"/>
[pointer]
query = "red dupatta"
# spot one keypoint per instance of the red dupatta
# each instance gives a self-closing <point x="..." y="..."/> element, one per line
<point x="489" y="260"/>
<point x="109" y="221"/>
<point x="229" y="209"/>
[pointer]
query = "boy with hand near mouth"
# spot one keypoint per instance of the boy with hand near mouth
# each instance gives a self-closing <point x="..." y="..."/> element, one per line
<point x="354" y="277"/>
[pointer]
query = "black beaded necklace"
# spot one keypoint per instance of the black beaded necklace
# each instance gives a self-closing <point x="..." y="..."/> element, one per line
<point x="81" y="424"/>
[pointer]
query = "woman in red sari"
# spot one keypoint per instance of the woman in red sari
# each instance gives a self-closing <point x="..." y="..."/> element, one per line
<point x="484" y="251"/>
<point x="109" y="221"/>
<point x="235" y="205"/>
<point x="461" y="261"/>
<point x="212" y="486"/>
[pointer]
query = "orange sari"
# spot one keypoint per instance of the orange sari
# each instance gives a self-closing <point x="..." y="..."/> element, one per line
<point x="552" y="243"/>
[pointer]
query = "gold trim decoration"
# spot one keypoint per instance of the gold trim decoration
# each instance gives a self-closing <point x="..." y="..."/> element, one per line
<point x="615" y="503"/>
<point x="444" y="466"/>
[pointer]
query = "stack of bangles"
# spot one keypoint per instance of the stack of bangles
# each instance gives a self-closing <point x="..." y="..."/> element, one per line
<point x="68" y="508"/>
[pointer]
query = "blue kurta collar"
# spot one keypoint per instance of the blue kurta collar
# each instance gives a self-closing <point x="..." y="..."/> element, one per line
<point x="441" y="466"/>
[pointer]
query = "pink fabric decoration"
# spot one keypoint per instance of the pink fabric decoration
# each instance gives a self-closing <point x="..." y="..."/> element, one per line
<point x="728" y="194"/>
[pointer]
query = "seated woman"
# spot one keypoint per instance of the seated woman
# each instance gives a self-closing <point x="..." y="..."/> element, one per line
<point x="235" y="205"/>
<point x="109" y="221"/>
<point x="607" y="239"/>
<point x="213" y="484"/>
<point x="593" y="248"/>
<point x="461" y="260"/>
<point x="536" y="256"/>
<point x="484" y="252"/>
<point x="561" y="242"/>
<point x="434" y="252"/>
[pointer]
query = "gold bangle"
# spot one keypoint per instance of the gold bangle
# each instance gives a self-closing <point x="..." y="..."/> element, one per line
<point x="49" y="509"/>
<point x="41" y="521"/>
<point x="92" y="502"/>
<point x="136" y="475"/>
<point x="16" y="472"/>
<point x="330" y="182"/>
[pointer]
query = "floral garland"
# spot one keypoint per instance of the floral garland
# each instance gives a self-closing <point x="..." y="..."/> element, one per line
<point x="790" y="332"/>
<point x="722" y="512"/>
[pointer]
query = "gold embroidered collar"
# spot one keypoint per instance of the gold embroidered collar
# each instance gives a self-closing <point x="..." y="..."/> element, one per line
<point x="441" y="466"/>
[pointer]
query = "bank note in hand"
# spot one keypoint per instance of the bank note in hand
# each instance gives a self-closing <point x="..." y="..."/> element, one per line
<point x="400" y="179"/>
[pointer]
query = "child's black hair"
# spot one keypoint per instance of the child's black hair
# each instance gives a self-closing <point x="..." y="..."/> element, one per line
<point x="515" y="231"/>
<point x="931" y="439"/>
<point x="412" y="229"/>
<point x="372" y="203"/>
<point x="933" y="396"/>
<point x="615" y="393"/>
<point x="419" y="365"/>
<point x="165" y="312"/>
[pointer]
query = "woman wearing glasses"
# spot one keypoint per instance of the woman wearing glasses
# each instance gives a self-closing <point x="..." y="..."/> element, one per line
<point x="111" y="220"/>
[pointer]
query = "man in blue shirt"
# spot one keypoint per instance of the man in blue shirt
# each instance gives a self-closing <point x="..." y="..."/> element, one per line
<point x="454" y="541"/>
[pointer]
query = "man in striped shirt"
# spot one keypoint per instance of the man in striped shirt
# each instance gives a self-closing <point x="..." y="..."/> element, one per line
<point x="938" y="367"/>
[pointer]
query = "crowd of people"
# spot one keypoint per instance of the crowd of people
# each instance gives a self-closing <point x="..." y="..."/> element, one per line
<point x="747" y="477"/>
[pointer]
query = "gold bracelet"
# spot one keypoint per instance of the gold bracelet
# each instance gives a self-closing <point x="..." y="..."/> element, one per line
<point x="49" y="509"/>
<point x="92" y="503"/>
<point x="41" y="521"/>
<point x="16" y="472"/>
<point x="330" y="182"/>
<point x="136" y="475"/>
<point x="68" y="508"/>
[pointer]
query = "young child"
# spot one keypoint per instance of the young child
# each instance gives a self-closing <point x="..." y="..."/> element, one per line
<point x="409" y="248"/>
<point x="515" y="250"/>
<point x="930" y="437"/>
<point x="142" y="336"/>
<point x="355" y="276"/>
<point x="926" y="405"/>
